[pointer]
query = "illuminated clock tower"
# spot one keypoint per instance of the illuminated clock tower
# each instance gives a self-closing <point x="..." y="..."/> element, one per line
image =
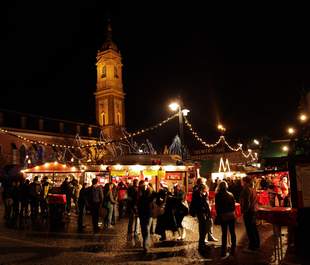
<point x="110" y="109"/>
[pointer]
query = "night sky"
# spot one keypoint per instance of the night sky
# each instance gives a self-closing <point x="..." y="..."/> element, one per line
<point x="245" y="69"/>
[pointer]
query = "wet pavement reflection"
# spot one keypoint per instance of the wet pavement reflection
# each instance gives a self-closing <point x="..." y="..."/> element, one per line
<point x="65" y="245"/>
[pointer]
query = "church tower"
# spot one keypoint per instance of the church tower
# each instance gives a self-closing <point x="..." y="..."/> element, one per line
<point x="110" y="109"/>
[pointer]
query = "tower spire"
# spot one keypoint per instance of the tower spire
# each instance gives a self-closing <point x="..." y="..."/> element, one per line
<point x="108" y="43"/>
<point x="109" y="30"/>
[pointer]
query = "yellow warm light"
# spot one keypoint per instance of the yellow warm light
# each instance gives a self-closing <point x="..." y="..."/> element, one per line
<point x="137" y="167"/>
<point x="185" y="112"/>
<point x="36" y="167"/>
<point x="221" y="127"/>
<point x="256" y="142"/>
<point x="285" y="148"/>
<point x="181" y="167"/>
<point x="118" y="167"/>
<point x="170" y="168"/>
<point x="303" y="117"/>
<point x="46" y="165"/>
<point x="103" y="167"/>
<point x="63" y="166"/>
<point x="291" y="130"/>
<point x="174" y="106"/>
<point x="73" y="168"/>
<point x="155" y="167"/>
<point x="55" y="163"/>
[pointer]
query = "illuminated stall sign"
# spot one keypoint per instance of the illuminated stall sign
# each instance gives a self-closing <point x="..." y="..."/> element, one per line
<point x="119" y="173"/>
<point x="173" y="176"/>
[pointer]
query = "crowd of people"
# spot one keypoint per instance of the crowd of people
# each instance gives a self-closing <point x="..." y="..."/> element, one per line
<point x="23" y="199"/>
<point x="143" y="205"/>
<point x="225" y="204"/>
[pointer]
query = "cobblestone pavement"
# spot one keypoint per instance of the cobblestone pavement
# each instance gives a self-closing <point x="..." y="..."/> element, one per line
<point x="67" y="246"/>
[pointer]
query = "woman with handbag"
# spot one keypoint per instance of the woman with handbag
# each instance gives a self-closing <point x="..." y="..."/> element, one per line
<point x="225" y="209"/>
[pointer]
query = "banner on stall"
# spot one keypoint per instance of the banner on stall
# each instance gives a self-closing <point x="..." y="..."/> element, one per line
<point x="118" y="173"/>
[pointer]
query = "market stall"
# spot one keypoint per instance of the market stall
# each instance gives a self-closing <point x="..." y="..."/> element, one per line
<point x="55" y="171"/>
<point x="101" y="172"/>
<point x="272" y="187"/>
<point x="154" y="174"/>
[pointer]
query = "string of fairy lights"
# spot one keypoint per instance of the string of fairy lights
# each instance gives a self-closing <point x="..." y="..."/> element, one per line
<point x="97" y="143"/>
<point x="221" y="139"/>
<point x="128" y="136"/>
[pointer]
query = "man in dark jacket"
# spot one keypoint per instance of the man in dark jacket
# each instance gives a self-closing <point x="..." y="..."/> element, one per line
<point x="203" y="214"/>
<point x="196" y="195"/>
<point x="35" y="192"/>
<point x="132" y="210"/>
<point x="96" y="198"/>
<point x="145" y="199"/>
<point x="248" y="203"/>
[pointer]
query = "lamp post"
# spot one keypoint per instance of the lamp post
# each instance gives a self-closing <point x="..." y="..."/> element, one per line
<point x="175" y="106"/>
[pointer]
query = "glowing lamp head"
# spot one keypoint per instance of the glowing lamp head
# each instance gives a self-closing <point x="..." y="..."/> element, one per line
<point x="303" y="117"/>
<point x="185" y="112"/>
<point x="221" y="128"/>
<point x="291" y="131"/>
<point x="256" y="142"/>
<point x="285" y="148"/>
<point x="174" y="106"/>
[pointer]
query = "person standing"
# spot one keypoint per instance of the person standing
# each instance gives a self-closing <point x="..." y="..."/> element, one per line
<point x="210" y="221"/>
<point x="203" y="213"/>
<point x="248" y="203"/>
<point x="25" y="200"/>
<point x="108" y="204"/>
<point x="82" y="200"/>
<point x="96" y="200"/>
<point x="285" y="192"/>
<point x="122" y="197"/>
<point x="44" y="194"/>
<point x="35" y="191"/>
<point x="225" y="209"/>
<point x="65" y="189"/>
<point x="145" y="200"/>
<point x="181" y="210"/>
<point x="132" y="210"/>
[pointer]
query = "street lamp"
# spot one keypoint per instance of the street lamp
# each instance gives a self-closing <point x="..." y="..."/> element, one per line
<point x="256" y="142"/>
<point x="303" y="117"/>
<point x="175" y="106"/>
<point x="291" y="130"/>
<point x="221" y="128"/>
<point x="285" y="148"/>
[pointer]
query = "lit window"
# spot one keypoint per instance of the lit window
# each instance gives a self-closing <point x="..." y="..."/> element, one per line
<point x="118" y="118"/>
<point x="104" y="72"/>
<point x="103" y="118"/>
<point x="115" y="72"/>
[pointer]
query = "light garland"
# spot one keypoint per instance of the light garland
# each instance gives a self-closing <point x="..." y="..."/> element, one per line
<point x="222" y="138"/>
<point x="98" y="143"/>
